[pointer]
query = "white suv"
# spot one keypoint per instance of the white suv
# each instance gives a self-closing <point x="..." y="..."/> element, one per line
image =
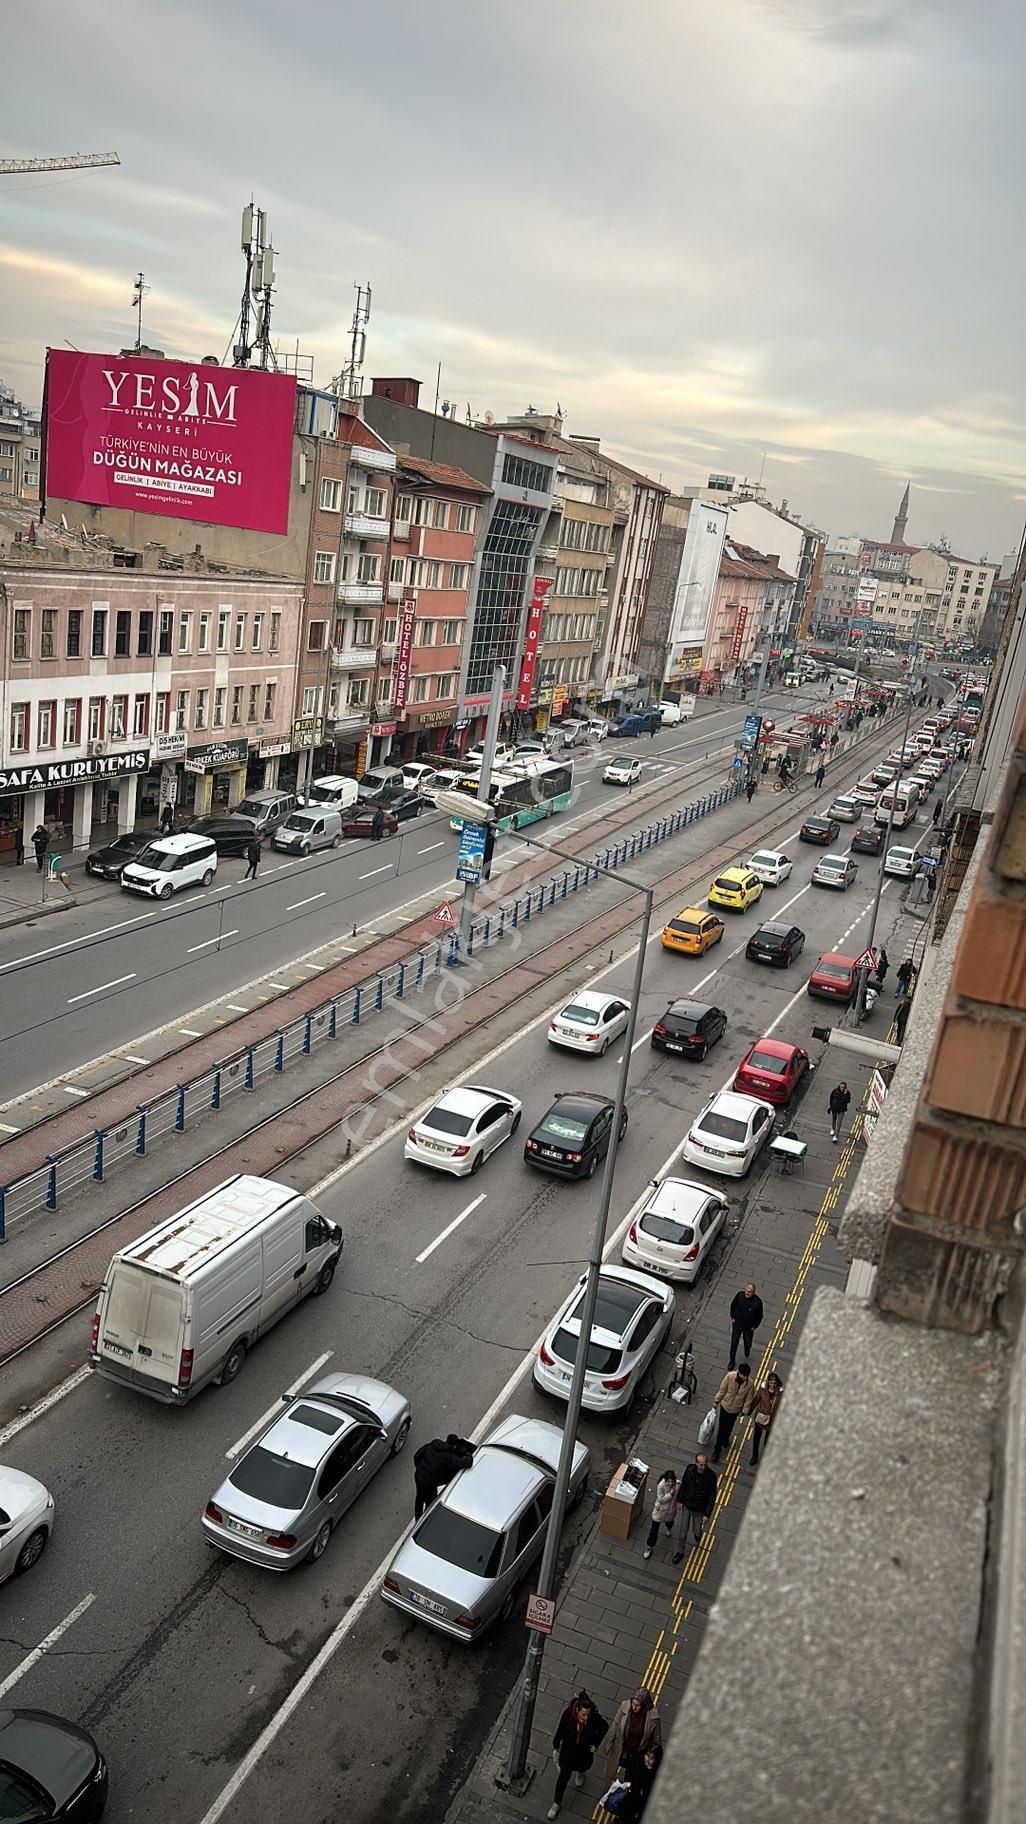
<point x="169" y="863"/>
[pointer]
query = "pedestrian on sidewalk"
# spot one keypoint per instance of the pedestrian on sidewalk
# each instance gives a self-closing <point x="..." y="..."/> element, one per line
<point x="40" y="842"/>
<point x="819" y="775"/>
<point x="731" y="1399"/>
<point x="746" y="1315"/>
<point x="882" y="965"/>
<point x="253" y="854"/>
<point x="637" y="1726"/>
<point x="751" y="787"/>
<point x="935" y="819"/>
<point x="435" y="1465"/>
<point x="378" y="824"/>
<point x="904" y="1008"/>
<point x="167" y="818"/>
<point x="19" y="845"/>
<point x="840" y="1097"/>
<point x="642" y="1783"/>
<point x="696" y="1498"/>
<point x="578" y="1733"/>
<point x="763" y="1408"/>
<point x="662" y="1509"/>
<point x="905" y="976"/>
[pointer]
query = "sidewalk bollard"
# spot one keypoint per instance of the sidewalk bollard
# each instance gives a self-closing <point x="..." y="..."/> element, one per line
<point x="552" y="893"/>
<point x="470" y="941"/>
<point x="250" y="1067"/>
<point x="357" y="996"/>
<point x="502" y="921"/>
<point x="487" y="934"/>
<point x="51" y="1183"/>
<point x="566" y="877"/>
<point x="140" y="1138"/>
<point x="98" y="1156"/>
<point x="215" y="1093"/>
<point x="577" y="880"/>
<point x="279" y="1053"/>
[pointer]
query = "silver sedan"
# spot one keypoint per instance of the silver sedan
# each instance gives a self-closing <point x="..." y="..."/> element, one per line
<point x="26" y="1521"/>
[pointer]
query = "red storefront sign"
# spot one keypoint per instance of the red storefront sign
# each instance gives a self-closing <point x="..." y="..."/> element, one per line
<point x="539" y="597"/>
<point x="739" y="634"/>
<point x="402" y="663"/>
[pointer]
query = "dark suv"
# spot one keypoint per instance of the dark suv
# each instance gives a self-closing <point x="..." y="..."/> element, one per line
<point x="776" y="944"/>
<point x="230" y="835"/>
<point x="689" y="1028"/>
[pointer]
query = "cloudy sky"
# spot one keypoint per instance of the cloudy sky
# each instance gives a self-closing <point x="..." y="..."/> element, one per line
<point x="778" y="236"/>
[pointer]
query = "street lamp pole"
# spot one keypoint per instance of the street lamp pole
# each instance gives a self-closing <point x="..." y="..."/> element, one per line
<point x="863" y="981"/>
<point x="483" y="786"/>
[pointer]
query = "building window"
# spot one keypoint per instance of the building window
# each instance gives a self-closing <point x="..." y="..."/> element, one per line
<point x="202" y="698"/>
<point x="162" y="712"/>
<point x="181" y="710"/>
<point x="275" y="640"/>
<point x="310" y="702"/>
<point x="403" y="509"/>
<point x="122" y="634"/>
<point x="422" y="511"/>
<point x="459" y="576"/>
<point x="420" y="689"/>
<point x="118" y="718"/>
<point x="74" y="641"/>
<point x="389" y="630"/>
<point x="240" y="633"/>
<point x="331" y="495"/>
<point x="397" y="569"/>
<point x="224" y="616"/>
<point x="165" y="636"/>
<point x="141" y="716"/>
<point x="440" y="515"/>
<point x="97" y="718"/>
<point x="369" y="568"/>
<point x="145" y="634"/>
<point x="466" y="518"/>
<point x="359" y="693"/>
<point x="324" y="567"/>
<point x="446" y="686"/>
<point x="315" y="636"/>
<point x="46" y="725"/>
<point x="204" y="630"/>
<point x="424" y="633"/>
<point x="450" y="633"/>
<point x="269" y="694"/>
<point x="236" y="702"/>
<point x="19" y="728"/>
<point x="48" y="631"/>
<point x="375" y="506"/>
<point x="251" y="706"/>
<point x="521" y="472"/>
<point x="72" y="721"/>
<point x="22" y="632"/>
<point x="257" y="630"/>
<point x="363" y="633"/>
<point x="219" y="698"/>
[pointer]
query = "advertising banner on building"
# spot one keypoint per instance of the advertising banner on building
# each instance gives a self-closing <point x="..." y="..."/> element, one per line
<point x="739" y="633"/>
<point x="170" y="437"/>
<point x="539" y="596"/>
<point x="402" y="660"/>
<point x="73" y="772"/>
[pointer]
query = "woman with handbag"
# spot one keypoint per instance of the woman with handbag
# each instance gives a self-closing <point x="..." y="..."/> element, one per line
<point x="578" y="1733"/>
<point x="636" y="1727"/>
<point x="763" y="1406"/>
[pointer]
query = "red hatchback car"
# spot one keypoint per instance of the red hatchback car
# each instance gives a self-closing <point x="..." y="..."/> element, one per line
<point x="834" y="978"/>
<point x="772" y="1071"/>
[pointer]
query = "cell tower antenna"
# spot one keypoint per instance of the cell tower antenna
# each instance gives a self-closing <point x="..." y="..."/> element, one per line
<point x="255" y="309"/>
<point x="137" y="303"/>
<point x="349" y="383"/>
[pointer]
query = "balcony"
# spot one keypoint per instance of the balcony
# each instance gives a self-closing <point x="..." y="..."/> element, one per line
<point x="361" y="525"/>
<point x="396" y="591"/>
<point x="354" y="594"/>
<point x="353" y="658"/>
<point x="371" y="459"/>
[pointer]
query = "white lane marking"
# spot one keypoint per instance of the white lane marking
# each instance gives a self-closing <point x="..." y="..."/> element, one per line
<point x="71" y="1090"/>
<point x="8" y="1127"/>
<point x="258" y="1424"/>
<point x="189" y="1032"/>
<point x="105" y="931"/>
<point x="281" y="985"/>
<point x="44" y="1646"/>
<point x="228" y="885"/>
<point x="431" y="845"/>
<point x="446" y="1232"/>
<point x="55" y="1395"/>
<point x="387" y="869"/>
<point x="233" y="1007"/>
<point x="102" y="989"/>
<point x="306" y="902"/>
<point x="130" y="1058"/>
<point x="205" y="945"/>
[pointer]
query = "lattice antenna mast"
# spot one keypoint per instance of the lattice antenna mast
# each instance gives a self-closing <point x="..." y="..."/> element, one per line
<point x="255" y="309"/>
<point x="349" y="383"/>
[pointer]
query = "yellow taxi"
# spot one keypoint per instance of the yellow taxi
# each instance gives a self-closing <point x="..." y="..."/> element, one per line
<point x="736" y="888"/>
<point x="693" y="931"/>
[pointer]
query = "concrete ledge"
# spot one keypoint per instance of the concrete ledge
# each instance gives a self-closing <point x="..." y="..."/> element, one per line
<point x="839" y="1673"/>
<point x="28" y="914"/>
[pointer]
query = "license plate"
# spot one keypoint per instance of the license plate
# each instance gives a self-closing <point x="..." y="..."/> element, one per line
<point x="240" y="1526"/>
<point x="425" y="1602"/>
<point x="673" y="1045"/>
<point x="550" y="1152"/>
<point x="434" y="1146"/>
<point x="116" y="1348"/>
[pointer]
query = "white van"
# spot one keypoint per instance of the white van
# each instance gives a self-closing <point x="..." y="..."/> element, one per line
<point x="306" y="830"/>
<point x="335" y="790"/>
<point x="671" y="713"/>
<point x="181" y="1306"/>
<point x="170" y="863"/>
<point x="905" y="799"/>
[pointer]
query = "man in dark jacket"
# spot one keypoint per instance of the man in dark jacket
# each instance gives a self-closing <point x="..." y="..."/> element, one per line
<point x="40" y="842"/>
<point x="378" y="823"/>
<point x="253" y="853"/>
<point x="435" y="1464"/>
<point x="696" y="1498"/>
<point x="578" y="1733"/>
<point x="745" y="1318"/>
<point x="840" y="1097"/>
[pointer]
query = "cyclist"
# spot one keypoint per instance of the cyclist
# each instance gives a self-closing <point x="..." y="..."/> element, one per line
<point x="785" y="770"/>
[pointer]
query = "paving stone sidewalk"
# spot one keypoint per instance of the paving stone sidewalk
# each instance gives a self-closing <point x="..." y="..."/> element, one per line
<point x="623" y="1621"/>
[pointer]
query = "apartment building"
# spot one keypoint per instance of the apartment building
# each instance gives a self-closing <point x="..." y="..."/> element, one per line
<point x="833" y="604"/>
<point x="907" y="607"/>
<point x="20" y="443"/>
<point x="738" y="610"/>
<point x="966" y="595"/>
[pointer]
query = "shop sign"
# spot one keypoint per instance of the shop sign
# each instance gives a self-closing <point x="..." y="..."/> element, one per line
<point x="405" y="646"/>
<point x="559" y="697"/>
<point x="307" y="731"/>
<point x="170" y="746"/>
<point x="539" y="597"/>
<point x="383" y="728"/>
<point x="435" y="718"/>
<point x="269" y="750"/>
<point x="73" y="772"/>
<point x="216" y="753"/>
<point x="740" y="626"/>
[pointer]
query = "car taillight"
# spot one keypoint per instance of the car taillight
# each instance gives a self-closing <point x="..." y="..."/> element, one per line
<point x="94" y="1345"/>
<point x="213" y="1512"/>
<point x="281" y="1542"/>
<point x="389" y="1583"/>
<point x="620" y="1381"/>
<point x="532" y="1146"/>
<point x="460" y="1152"/>
<point x="692" y="1253"/>
<point x="468" y="1623"/>
<point x="661" y="1030"/>
<point x="547" y="1356"/>
<point x="185" y="1368"/>
<point x="412" y="1135"/>
<point x="694" y="1038"/>
<point x="632" y="1233"/>
<point x="552" y="1026"/>
<point x="592" y="1037"/>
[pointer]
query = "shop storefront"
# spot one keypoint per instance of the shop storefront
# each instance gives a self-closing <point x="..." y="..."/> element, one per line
<point x="214" y="777"/>
<point x="69" y="796"/>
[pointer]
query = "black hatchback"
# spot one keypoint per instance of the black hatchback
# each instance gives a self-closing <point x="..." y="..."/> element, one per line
<point x="109" y="861"/>
<point x="775" y="944"/>
<point x="49" y="1769"/>
<point x="868" y="840"/>
<point x="574" y="1136"/>
<point x="823" y="830"/>
<point x="689" y="1028"/>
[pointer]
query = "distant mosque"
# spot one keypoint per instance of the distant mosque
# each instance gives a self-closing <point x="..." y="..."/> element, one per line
<point x="901" y="519"/>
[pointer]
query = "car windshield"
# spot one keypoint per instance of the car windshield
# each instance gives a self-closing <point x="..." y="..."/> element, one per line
<point x="465" y="1543"/>
<point x="585" y="1016"/>
<point x="765" y="1060"/>
<point x="679" y="1022"/>
<point x="685" y="927"/>
<point x="764" y="860"/>
<point x="723" y="1127"/>
<point x="836" y="972"/>
<point x="323" y="794"/>
<point x="300" y="820"/>
<point x="250" y="807"/>
<point x="156" y="858"/>
<point x="562" y="1128"/>
<point x="664" y="1228"/>
<point x="832" y="865"/>
<point x="816" y="823"/>
<point x="601" y="1359"/>
<point x="447" y="1121"/>
<point x="273" y="1480"/>
<point x="773" y="940"/>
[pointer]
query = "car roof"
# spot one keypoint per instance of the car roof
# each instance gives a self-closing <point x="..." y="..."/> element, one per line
<point x="18" y="1490"/>
<point x="776" y="927"/>
<point x="775" y="1048"/>
<point x="297" y="1438"/>
<point x="734" y="873"/>
<point x="777" y="854"/>
<point x="679" y="1198"/>
<point x="729" y="1102"/>
<point x="815" y="820"/>
<point x="836" y="956"/>
<point x="693" y="912"/>
<point x="622" y="1293"/>
<point x="841" y="860"/>
<point x="469" y="1101"/>
<point x="585" y="1102"/>
<point x="588" y="998"/>
<point x="494" y="1487"/>
<point x="182" y="843"/>
<point x="690" y="1010"/>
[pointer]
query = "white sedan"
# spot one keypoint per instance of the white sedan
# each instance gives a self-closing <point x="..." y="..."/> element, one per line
<point x="621" y="772"/>
<point x="590" y="1022"/>
<point x="462" y="1128"/>
<point x="771" y="866"/>
<point x="26" y="1521"/>
<point x="729" y="1134"/>
<point x="633" y="1313"/>
<point x="901" y="863"/>
<point x="675" y="1230"/>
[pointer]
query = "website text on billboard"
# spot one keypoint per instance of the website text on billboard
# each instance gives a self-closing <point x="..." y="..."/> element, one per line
<point x="177" y="438"/>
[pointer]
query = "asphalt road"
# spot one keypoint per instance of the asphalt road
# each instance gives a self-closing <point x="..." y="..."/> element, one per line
<point x="181" y="1658"/>
<point x="110" y="970"/>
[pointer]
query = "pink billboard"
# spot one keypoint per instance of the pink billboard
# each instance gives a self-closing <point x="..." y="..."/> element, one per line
<point x="170" y="437"/>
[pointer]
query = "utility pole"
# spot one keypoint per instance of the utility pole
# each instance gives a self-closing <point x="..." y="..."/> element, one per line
<point x="483" y="786"/>
<point x="863" y="981"/>
<point x="137" y="303"/>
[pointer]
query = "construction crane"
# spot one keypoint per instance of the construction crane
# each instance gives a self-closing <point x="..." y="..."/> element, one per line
<point x="79" y="161"/>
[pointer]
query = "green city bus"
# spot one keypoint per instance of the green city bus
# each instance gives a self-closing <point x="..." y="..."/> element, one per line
<point x="524" y="797"/>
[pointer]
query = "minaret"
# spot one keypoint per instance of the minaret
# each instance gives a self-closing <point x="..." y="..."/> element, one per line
<point x="898" y="532"/>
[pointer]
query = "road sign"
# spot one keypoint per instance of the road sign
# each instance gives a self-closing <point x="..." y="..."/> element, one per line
<point x="866" y="960"/>
<point x="445" y="915"/>
<point x="470" y="861"/>
<point x="541" y="1613"/>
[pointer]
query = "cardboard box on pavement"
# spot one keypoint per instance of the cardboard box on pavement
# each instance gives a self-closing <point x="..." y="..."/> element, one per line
<point x="624" y="1499"/>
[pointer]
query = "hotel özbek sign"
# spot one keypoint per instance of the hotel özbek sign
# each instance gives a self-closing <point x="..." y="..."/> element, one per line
<point x="176" y="438"/>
